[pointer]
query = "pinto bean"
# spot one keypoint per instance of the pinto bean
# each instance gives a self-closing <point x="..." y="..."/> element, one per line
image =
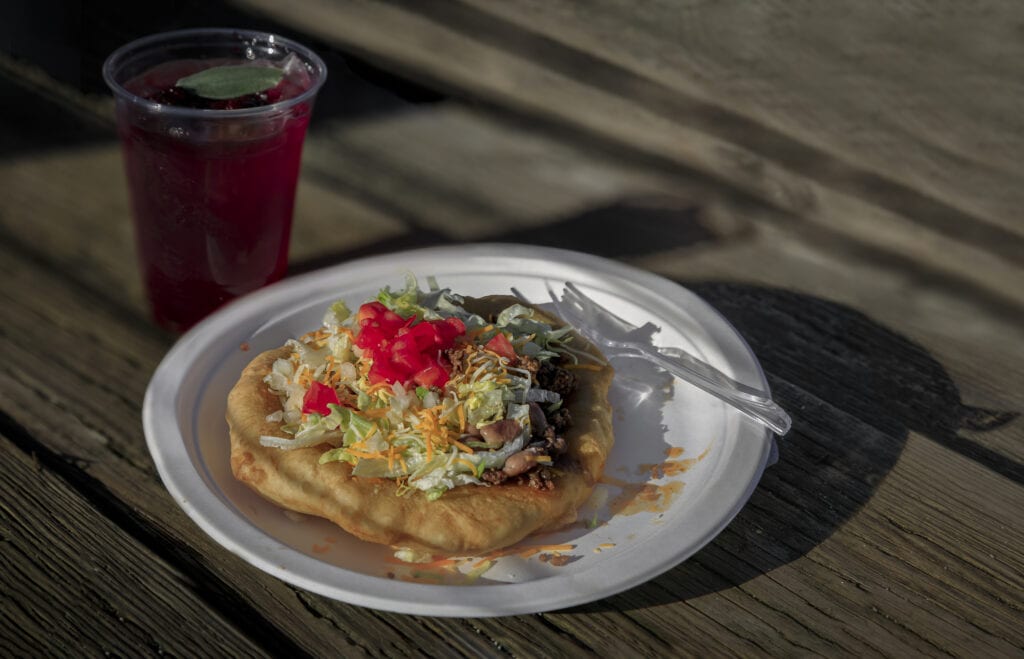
<point x="499" y="433"/>
<point x="520" y="462"/>
<point x="538" y="422"/>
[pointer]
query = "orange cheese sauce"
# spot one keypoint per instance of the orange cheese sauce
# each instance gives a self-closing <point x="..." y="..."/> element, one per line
<point x="449" y="570"/>
<point x="646" y="498"/>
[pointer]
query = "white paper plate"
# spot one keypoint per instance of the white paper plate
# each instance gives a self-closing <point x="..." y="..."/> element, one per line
<point x="683" y="463"/>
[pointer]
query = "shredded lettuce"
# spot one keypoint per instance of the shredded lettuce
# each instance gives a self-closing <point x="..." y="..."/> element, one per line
<point x="342" y="421"/>
<point x="435" y="304"/>
<point x="405" y="302"/>
<point x="360" y="437"/>
<point x="340" y="346"/>
<point x="485" y="406"/>
<point x="336" y="314"/>
<point x="446" y="471"/>
<point x="544" y="341"/>
<point x="290" y="443"/>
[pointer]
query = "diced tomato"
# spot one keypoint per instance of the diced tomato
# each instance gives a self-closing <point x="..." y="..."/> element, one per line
<point x="405" y="354"/>
<point x="500" y="345"/>
<point x="370" y="311"/>
<point x="371" y="337"/>
<point x="383" y="370"/>
<point x="452" y="328"/>
<point x="375" y="314"/>
<point x="424" y="334"/>
<point x="318" y="397"/>
<point x="381" y="353"/>
<point x="391" y="322"/>
<point x="432" y="375"/>
<point x="403" y="349"/>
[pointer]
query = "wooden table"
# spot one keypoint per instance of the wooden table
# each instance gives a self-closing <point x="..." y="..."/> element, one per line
<point x="842" y="181"/>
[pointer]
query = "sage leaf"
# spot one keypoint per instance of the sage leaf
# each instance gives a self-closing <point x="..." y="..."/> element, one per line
<point x="232" y="81"/>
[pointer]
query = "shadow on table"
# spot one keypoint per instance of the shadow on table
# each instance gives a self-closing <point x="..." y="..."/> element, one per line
<point x="855" y="389"/>
<point x="38" y="117"/>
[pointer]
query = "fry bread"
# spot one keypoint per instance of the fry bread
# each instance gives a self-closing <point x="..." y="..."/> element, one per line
<point x="468" y="519"/>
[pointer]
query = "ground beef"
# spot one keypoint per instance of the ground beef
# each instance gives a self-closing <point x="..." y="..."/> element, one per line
<point x="550" y="440"/>
<point x="560" y="420"/>
<point x="494" y="476"/>
<point x="531" y="364"/>
<point x="557" y="379"/>
<point x="541" y="478"/>
<point x="551" y="444"/>
<point x="455" y="360"/>
<point x="556" y="445"/>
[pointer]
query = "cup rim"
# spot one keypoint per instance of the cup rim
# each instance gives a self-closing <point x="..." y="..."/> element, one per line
<point x="122" y="53"/>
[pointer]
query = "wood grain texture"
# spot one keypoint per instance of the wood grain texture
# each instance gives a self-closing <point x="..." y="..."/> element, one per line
<point x="972" y="341"/>
<point x="890" y="526"/>
<point x="926" y="94"/>
<point x="466" y="176"/>
<point x="550" y="81"/>
<point x="74" y="583"/>
<point x="795" y="607"/>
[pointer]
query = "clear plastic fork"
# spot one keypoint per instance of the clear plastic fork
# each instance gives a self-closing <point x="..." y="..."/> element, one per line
<point x="603" y="327"/>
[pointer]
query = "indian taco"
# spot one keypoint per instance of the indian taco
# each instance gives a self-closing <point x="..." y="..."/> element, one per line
<point x="427" y="421"/>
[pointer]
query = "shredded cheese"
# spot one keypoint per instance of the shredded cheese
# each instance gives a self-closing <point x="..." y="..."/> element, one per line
<point x="366" y="455"/>
<point x="462" y="447"/>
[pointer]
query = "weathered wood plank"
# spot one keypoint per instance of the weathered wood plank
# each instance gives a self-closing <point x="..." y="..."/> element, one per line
<point x="74" y="583"/>
<point x="455" y="174"/>
<point x="469" y="177"/>
<point x="452" y="53"/>
<point x="868" y="588"/>
<point x="891" y="538"/>
<point x="927" y="97"/>
<point x="945" y="335"/>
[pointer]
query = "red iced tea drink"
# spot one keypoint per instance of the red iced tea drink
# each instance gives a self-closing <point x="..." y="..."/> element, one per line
<point x="212" y="180"/>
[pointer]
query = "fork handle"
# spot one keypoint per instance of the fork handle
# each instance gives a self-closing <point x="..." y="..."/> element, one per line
<point x="704" y="376"/>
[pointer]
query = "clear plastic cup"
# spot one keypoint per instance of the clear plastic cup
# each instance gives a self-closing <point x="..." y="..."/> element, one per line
<point x="212" y="188"/>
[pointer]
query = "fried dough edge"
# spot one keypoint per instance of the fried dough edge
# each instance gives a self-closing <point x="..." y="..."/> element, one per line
<point x="467" y="519"/>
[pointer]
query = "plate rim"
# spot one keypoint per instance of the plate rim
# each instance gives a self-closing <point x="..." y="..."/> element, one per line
<point x="178" y="471"/>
